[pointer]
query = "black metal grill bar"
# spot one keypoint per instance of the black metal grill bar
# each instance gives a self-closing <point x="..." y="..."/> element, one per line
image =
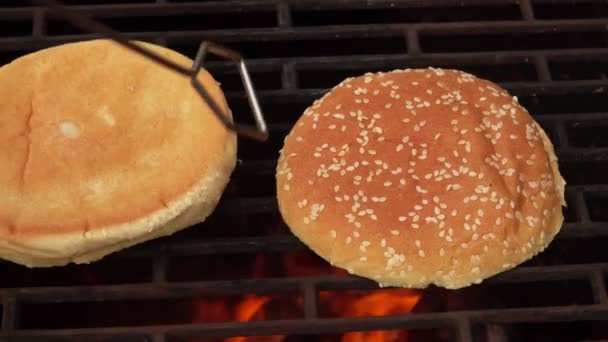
<point x="289" y="77"/>
<point x="340" y="325"/>
<point x="236" y="5"/>
<point x="168" y="9"/>
<point x="561" y="133"/>
<point x="229" y="246"/>
<point x="398" y="60"/>
<point x="290" y="243"/>
<point x="310" y="299"/>
<point x="323" y="325"/>
<point x="9" y="311"/>
<point x="343" y="31"/>
<point x="370" y="62"/>
<point x="159" y="264"/>
<point x="277" y="285"/>
<point x="582" y="230"/>
<point x="583" y="154"/>
<point x="16" y="13"/>
<point x="158" y="337"/>
<point x="542" y="68"/>
<point x="562" y="117"/>
<point x="38" y="23"/>
<point x="527" y="11"/>
<point x="598" y="286"/>
<point x="158" y="291"/>
<point x="283" y="14"/>
<point x="463" y="325"/>
<point x="580" y="207"/>
<point x="413" y="42"/>
<point x="361" y="4"/>
<point x="244" y="245"/>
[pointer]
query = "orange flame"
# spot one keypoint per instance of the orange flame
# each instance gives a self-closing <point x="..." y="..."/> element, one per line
<point x="384" y="303"/>
<point x="249" y="307"/>
<point x="377" y="303"/>
<point x="247" y="311"/>
<point x="343" y="304"/>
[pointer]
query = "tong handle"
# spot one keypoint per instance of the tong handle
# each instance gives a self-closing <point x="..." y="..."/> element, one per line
<point x="261" y="133"/>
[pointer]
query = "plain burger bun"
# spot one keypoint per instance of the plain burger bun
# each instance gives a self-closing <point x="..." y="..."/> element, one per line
<point x="419" y="177"/>
<point x="102" y="149"/>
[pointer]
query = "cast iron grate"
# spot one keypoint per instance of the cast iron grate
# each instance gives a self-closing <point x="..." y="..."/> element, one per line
<point x="551" y="54"/>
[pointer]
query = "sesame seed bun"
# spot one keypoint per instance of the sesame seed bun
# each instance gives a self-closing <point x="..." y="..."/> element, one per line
<point x="102" y="149"/>
<point x="419" y="177"/>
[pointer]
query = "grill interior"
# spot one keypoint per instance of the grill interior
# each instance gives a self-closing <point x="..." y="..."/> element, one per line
<point x="551" y="54"/>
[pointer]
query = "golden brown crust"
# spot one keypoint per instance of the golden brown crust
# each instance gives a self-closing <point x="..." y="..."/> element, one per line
<point x="419" y="177"/>
<point x="102" y="148"/>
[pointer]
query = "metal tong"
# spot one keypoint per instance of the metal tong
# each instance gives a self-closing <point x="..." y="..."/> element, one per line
<point x="260" y="132"/>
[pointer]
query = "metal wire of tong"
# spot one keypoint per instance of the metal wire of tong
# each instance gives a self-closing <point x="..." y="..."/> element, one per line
<point x="86" y="23"/>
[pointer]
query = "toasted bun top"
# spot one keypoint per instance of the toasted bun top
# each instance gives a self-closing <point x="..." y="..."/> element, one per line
<point x="418" y="177"/>
<point x="94" y="135"/>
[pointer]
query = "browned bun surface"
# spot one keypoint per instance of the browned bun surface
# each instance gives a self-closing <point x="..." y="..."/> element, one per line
<point x="418" y="177"/>
<point x="102" y="149"/>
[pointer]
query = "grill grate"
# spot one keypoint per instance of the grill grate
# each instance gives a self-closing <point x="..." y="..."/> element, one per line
<point x="551" y="54"/>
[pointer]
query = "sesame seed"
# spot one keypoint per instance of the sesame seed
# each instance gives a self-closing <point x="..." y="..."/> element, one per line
<point x="421" y="253"/>
<point x="333" y="233"/>
<point x="395" y="232"/>
<point x="420" y="189"/>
